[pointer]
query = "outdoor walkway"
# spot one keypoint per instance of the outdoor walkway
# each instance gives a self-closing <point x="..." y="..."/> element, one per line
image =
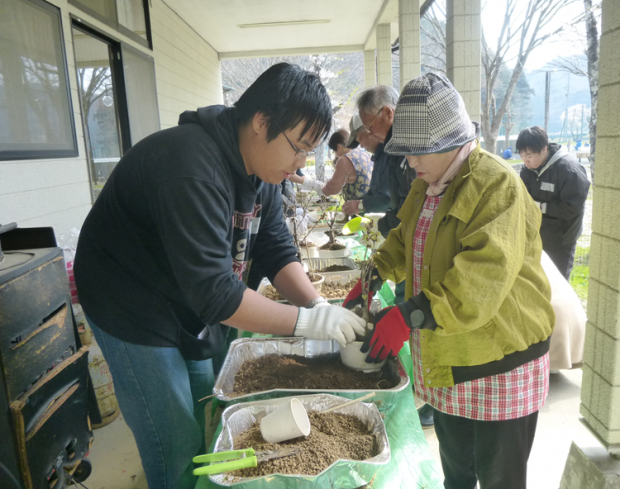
<point x="116" y="463"/>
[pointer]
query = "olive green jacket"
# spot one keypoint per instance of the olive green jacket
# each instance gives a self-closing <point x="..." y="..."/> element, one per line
<point x="481" y="268"/>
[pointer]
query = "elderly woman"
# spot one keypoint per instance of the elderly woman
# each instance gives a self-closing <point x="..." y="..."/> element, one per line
<point x="352" y="172"/>
<point x="478" y="313"/>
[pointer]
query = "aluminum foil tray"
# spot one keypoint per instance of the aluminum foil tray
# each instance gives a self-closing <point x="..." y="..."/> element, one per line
<point x="343" y="277"/>
<point x="262" y="287"/>
<point x="251" y="348"/>
<point x="349" y="473"/>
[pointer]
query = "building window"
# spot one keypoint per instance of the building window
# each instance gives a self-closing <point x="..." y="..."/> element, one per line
<point x="129" y="17"/>
<point x="36" y="116"/>
<point x="139" y="72"/>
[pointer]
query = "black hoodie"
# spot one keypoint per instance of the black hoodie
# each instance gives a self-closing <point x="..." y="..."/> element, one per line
<point x="163" y="251"/>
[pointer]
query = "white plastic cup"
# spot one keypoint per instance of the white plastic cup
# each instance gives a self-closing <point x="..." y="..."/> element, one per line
<point x="288" y="421"/>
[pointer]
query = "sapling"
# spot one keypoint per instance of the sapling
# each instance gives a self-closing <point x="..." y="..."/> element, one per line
<point x="370" y="239"/>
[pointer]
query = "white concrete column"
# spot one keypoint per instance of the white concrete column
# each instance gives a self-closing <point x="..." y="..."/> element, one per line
<point x="409" y="40"/>
<point x="384" y="54"/>
<point x="600" y="389"/>
<point x="463" y="41"/>
<point x="370" y="69"/>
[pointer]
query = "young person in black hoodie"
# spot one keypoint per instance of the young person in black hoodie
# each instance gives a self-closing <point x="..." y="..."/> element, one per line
<point x="164" y="251"/>
<point x="559" y="184"/>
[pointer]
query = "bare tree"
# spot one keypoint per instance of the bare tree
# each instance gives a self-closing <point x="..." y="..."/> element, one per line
<point x="592" y="53"/>
<point x="93" y="84"/>
<point x="523" y="31"/>
<point x="587" y="65"/>
<point x="433" y="42"/>
<point x="508" y="125"/>
<point x="342" y="75"/>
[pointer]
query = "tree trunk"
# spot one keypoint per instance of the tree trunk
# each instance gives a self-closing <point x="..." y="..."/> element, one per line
<point x="320" y="162"/>
<point x="592" y="53"/>
<point x="508" y="125"/>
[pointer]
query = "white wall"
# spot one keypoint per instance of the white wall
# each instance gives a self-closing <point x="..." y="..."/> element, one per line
<point x="57" y="192"/>
<point x="186" y="67"/>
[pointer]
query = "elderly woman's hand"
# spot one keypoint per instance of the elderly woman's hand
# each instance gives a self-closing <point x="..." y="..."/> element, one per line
<point x="393" y="326"/>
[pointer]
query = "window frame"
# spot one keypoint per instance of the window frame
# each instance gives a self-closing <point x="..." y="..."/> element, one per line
<point x="118" y="79"/>
<point x="117" y="26"/>
<point x="48" y="154"/>
<point x="126" y="47"/>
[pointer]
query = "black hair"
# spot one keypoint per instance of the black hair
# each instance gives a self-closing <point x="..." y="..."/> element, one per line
<point x="288" y="95"/>
<point x="533" y="138"/>
<point x="339" y="137"/>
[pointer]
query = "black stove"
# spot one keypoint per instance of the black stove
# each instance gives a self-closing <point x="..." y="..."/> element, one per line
<point x="45" y="389"/>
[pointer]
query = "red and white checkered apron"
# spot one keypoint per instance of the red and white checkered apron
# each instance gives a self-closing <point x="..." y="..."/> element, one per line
<point x="511" y="395"/>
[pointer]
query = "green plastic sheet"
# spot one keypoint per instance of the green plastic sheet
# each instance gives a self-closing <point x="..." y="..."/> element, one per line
<point x="412" y="465"/>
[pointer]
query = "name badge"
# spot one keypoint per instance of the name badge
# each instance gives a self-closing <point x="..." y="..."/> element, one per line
<point x="547" y="186"/>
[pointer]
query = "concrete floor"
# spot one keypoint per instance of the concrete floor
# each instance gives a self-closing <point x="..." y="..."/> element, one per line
<point x="116" y="463"/>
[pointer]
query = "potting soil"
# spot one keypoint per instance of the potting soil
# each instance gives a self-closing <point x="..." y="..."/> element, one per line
<point x="332" y="247"/>
<point x="335" y="268"/>
<point x="330" y="290"/>
<point x="297" y="372"/>
<point x="333" y="436"/>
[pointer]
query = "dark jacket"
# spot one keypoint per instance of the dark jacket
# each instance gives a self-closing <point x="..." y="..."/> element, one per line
<point x="377" y="199"/>
<point x="163" y="251"/>
<point x="401" y="178"/>
<point x="561" y="186"/>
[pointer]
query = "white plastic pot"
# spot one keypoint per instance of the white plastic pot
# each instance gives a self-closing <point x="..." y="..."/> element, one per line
<point x="309" y="252"/>
<point x="335" y="253"/>
<point x="318" y="284"/>
<point x="286" y="422"/>
<point x="353" y="358"/>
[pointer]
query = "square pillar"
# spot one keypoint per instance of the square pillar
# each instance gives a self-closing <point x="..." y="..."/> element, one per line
<point x="384" y="54"/>
<point x="409" y="40"/>
<point x="463" y="46"/>
<point x="600" y="390"/>
<point x="370" y="69"/>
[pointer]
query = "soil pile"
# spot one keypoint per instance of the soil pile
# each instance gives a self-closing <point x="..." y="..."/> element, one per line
<point x="333" y="436"/>
<point x="332" y="247"/>
<point x="335" y="268"/>
<point x="297" y="372"/>
<point x="336" y="291"/>
<point x="328" y="290"/>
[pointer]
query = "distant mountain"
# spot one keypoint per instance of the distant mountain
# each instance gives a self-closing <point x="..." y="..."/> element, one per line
<point x="562" y="83"/>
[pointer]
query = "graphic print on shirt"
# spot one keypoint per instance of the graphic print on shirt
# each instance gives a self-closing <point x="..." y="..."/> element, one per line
<point x="245" y="224"/>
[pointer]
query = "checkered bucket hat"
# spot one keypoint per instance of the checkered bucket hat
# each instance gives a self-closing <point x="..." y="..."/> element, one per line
<point x="430" y="118"/>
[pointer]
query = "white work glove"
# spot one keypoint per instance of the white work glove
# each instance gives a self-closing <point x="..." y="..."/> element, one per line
<point x="329" y="323"/>
<point x="303" y="214"/>
<point x="315" y="185"/>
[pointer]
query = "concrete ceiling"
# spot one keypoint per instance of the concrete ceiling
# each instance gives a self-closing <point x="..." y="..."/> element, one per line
<point x="345" y="25"/>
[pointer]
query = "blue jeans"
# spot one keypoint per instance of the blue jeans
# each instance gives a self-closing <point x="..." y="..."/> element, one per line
<point x="157" y="391"/>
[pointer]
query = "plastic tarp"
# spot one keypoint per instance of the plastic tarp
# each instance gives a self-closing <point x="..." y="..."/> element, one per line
<point x="412" y="465"/>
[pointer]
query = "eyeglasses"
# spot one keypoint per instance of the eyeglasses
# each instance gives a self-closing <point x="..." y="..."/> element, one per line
<point x="302" y="154"/>
<point x="369" y="128"/>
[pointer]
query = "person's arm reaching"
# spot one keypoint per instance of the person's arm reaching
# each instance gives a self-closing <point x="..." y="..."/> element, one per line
<point x="343" y="171"/>
<point x="308" y="183"/>
<point x="261" y="315"/>
<point x="293" y="283"/>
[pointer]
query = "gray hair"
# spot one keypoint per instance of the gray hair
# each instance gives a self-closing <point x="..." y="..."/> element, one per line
<point x="372" y="100"/>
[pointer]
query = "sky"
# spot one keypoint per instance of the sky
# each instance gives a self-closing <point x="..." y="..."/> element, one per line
<point x="566" y="43"/>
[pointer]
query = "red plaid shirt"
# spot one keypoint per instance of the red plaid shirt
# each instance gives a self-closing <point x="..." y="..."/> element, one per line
<point x="515" y="394"/>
